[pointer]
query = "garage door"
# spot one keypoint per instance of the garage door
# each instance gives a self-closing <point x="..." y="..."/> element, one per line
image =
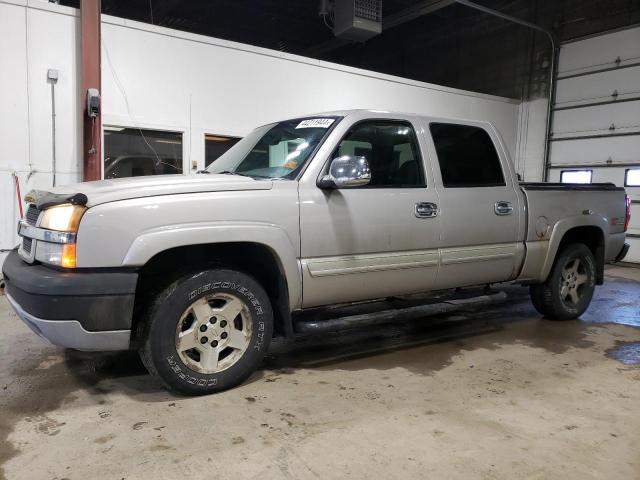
<point x="596" y="119"/>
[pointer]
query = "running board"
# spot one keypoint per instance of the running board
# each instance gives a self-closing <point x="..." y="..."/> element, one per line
<point x="396" y="314"/>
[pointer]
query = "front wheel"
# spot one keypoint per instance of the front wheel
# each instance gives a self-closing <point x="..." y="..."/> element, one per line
<point x="568" y="290"/>
<point x="207" y="332"/>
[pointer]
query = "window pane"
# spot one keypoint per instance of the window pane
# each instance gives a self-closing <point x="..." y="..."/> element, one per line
<point x="215" y="146"/>
<point x="278" y="150"/>
<point x="576" y="176"/>
<point x="632" y="178"/>
<point x="131" y="152"/>
<point x="467" y="156"/>
<point x="391" y="150"/>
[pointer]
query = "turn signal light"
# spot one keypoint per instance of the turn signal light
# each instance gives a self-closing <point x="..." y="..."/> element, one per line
<point x="68" y="259"/>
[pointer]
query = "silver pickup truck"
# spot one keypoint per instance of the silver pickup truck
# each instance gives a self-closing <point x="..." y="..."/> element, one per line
<point x="200" y="272"/>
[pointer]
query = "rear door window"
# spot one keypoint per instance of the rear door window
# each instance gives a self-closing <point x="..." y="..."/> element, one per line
<point x="467" y="156"/>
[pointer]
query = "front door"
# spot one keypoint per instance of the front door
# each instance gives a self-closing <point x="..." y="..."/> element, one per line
<point x="478" y="206"/>
<point x="376" y="240"/>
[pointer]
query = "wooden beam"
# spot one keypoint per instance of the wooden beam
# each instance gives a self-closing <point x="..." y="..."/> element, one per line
<point x="90" y="71"/>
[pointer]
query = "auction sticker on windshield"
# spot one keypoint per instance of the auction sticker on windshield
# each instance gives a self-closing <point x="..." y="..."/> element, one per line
<point x="316" y="123"/>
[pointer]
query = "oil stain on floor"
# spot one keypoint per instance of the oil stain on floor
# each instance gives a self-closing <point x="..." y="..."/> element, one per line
<point x="627" y="353"/>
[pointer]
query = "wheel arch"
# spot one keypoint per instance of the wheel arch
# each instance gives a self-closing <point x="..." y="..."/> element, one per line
<point x="590" y="233"/>
<point x="252" y="258"/>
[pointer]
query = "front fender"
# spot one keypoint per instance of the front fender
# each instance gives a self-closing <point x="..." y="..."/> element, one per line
<point x="152" y="242"/>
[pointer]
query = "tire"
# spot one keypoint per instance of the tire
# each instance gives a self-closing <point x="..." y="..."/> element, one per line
<point x="207" y="332"/>
<point x="568" y="290"/>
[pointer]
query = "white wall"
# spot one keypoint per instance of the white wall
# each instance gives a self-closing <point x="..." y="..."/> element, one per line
<point x="32" y="40"/>
<point x="177" y="81"/>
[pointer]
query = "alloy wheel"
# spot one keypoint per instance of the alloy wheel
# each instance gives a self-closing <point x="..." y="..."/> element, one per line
<point x="213" y="333"/>
<point x="574" y="279"/>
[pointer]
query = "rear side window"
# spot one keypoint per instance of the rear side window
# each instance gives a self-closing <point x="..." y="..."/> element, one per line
<point x="467" y="156"/>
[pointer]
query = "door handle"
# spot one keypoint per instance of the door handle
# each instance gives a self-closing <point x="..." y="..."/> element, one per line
<point x="426" y="210"/>
<point x="503" y="208"/>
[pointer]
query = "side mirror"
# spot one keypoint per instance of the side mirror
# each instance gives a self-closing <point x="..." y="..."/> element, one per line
<point x="347" y="171"/>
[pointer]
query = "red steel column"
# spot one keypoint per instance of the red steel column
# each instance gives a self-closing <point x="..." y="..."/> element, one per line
<point x="90" y="65"/>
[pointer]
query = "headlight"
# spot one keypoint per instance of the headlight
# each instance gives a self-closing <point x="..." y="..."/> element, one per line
<point x="63" y="218"/>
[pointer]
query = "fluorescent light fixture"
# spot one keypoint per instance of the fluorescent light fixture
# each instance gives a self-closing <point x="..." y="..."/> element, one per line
<point x="576" y="176"/>
<point x="166" y="140"/>
<point x="632" y="177"/>
<point x="108" y="128"/>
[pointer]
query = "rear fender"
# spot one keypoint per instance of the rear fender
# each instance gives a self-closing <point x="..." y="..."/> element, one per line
<point x="560" y="229"/>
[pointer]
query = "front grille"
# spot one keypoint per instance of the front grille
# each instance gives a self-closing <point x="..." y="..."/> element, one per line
<point x="26" y="245"/>
<point x="32" y="214"/>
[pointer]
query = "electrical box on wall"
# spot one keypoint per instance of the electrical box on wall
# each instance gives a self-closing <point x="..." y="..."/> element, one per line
<point x="357" y="20"/>
<point x="93" y="102"/>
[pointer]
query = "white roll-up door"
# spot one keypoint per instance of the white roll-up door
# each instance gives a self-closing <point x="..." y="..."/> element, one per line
<point x="596" y="118"/>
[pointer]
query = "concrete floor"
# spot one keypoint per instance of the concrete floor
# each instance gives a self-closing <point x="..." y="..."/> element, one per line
<point x="496" y="393"/>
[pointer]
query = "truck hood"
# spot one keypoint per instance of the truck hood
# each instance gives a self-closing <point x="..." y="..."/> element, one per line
<point x="104" y="191"/>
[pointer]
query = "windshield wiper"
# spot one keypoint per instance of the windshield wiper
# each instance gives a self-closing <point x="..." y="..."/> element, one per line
<point x="203" y="171"/>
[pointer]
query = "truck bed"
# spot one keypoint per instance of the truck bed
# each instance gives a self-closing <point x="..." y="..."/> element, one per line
<point x="553" y="208"/>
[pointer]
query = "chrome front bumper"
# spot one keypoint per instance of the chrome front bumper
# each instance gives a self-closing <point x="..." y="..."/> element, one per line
<point x="70" y="334"/>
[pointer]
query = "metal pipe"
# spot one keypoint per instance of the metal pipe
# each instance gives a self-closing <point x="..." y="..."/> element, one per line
<point x="552" y="70"/>
<point x="52" y="78"/>
<point x="413" y="12"/>
<point x="53" y="132"/>
<point x="16" y="181"/>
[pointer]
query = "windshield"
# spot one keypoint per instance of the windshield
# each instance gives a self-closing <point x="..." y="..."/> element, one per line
<point x="278" y="150"/>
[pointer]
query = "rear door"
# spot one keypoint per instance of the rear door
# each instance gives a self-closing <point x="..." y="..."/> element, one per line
<point x="478" y="205"/>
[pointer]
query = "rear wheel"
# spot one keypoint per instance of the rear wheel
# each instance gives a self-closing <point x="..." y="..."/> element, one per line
<point x="208" y="331"/>
<point x="568" y="290"/>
